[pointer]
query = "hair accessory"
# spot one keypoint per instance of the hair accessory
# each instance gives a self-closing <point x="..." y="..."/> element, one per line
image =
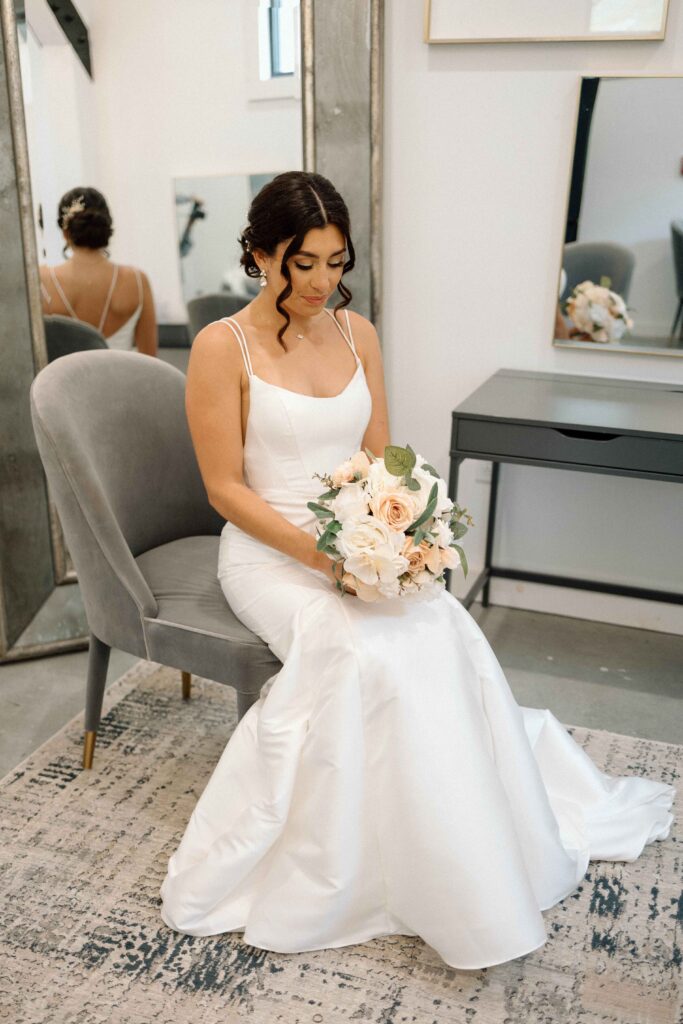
<point x="76" y="206"/>
<point x="264" y="278"/>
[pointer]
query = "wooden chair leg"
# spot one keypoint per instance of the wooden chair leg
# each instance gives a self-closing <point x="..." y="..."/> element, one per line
<point x="98" y="662"/>
<point x="187" y="684"/>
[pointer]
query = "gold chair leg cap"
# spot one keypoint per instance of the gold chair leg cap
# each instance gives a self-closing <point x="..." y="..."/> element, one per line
<point x="187" y="684"/>
<point x="89" y="749"/>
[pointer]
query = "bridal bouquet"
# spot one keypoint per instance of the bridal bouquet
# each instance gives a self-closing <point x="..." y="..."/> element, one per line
<point x="391" y="524"/>
<point x="598" y="313"/>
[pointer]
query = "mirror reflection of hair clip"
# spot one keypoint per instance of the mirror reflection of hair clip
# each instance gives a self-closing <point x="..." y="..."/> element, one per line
<point x="76" y="206"/>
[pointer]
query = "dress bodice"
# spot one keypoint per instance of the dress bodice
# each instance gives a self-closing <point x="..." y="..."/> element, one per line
<point x="290" y="436"/>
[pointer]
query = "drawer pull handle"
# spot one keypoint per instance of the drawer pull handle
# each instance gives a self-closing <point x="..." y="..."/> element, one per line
<point x="588" y="435"/>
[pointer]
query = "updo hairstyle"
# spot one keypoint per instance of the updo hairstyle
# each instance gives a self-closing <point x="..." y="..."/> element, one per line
<point x="84" y="215"/>
<point x="290" y="205"/>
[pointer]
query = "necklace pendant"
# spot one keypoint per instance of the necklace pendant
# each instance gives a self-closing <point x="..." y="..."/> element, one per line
<point x="299" y="335"/>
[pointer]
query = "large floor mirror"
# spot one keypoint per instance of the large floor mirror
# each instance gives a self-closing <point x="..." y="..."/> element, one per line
<point x="620" y="285"/>
<point x="178" y="118"/>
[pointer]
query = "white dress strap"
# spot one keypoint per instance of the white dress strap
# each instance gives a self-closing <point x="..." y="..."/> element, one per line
<point x="239" y="334"/>
<point x="111" y="292"/>
<point x="349" y="338"/>
<point x="46" y="294"/>
<point x="61" y="294"/>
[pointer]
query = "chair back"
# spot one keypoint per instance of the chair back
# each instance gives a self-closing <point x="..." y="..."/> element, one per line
<point x="590" y="261"/>
<point x="206" y="308"/>
<point x="113" y="437"/>
<point x="64" y="335"/>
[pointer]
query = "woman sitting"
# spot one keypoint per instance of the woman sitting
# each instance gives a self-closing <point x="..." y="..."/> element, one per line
<point x="117" y="300"/>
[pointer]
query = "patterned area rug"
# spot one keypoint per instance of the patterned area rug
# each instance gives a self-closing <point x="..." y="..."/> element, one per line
<point x="84" y="853"/>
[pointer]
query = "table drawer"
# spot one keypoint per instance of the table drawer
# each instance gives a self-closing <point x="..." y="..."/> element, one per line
<point x="580" y="447"/>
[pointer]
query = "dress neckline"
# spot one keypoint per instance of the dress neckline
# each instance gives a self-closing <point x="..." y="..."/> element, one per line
<point x="302" y="394"/>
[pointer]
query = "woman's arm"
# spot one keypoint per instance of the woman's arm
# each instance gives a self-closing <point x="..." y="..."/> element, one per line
<point x="213" y="405"/>
<point x="146" y="340"/>
<point x="376" y="436"/>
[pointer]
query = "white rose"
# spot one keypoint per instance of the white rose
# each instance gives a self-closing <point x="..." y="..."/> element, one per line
<point x="443" y="533"/>
<point x="426" y="482"/>
<point x="379" y="479"/>
<point x="351" y="501"/>
<point x="371" y="549"/>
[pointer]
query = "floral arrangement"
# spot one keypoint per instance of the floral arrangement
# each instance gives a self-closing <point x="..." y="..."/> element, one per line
<point x="391" y="524"/>
<point x="597" y="313"/>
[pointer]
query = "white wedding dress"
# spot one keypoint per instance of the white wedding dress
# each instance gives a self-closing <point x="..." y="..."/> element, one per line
<point x="385" y="781"/>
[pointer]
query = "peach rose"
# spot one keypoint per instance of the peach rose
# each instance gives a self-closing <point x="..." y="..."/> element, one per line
<point x="415" y="556"/>
<point x="360" y="463"/>
<point x="343" y="474"/>
<point x="395" y="509"/>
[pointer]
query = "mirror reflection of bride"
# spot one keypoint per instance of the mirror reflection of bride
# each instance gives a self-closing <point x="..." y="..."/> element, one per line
<point x="115" y="299"/>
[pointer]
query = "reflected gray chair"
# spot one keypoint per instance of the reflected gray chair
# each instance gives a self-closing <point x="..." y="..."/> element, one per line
<point x="677" y="245"/>
<point x="590" y="261"/>
<point x="113" y="438"/>
<point x="206" y="308"/>
<point x="63" y="335"/>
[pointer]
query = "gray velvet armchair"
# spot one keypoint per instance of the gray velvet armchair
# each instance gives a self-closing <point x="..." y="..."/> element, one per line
<point x="113" y="438"/>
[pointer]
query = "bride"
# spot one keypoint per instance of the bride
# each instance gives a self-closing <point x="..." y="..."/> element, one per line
<point x="385" y="781"/>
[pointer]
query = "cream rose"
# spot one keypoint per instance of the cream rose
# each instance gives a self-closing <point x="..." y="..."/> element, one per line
<point x="394" y="508"/>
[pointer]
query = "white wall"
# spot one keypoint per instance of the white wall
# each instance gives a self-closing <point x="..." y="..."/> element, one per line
<point x="633" y="188"/>
<point x="478" y="146"/>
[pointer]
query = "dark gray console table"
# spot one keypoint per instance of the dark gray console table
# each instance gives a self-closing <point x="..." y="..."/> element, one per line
<point x="567" y="421"/>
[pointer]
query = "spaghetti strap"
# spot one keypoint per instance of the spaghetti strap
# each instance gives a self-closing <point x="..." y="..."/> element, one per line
<point x="349" y="338"/>
<point x="61" y="294"/>
<point x="239" y="334"/>
<point x="46" y="294"/>
<point x="111" y="292"/>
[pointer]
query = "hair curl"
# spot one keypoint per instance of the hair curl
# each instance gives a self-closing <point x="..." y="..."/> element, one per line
<point x="290" y="205"/>
<point x="91" y="226"/>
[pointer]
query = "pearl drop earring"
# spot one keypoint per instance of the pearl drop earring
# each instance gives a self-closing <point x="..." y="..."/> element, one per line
<point x="264" y="278"/>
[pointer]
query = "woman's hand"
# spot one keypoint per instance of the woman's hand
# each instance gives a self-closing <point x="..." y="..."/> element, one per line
<point x="333" y="570"/>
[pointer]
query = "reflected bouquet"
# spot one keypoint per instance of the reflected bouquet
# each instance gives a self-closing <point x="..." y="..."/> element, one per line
<point x="391" y="524"/>
<point x="597" y="313"/>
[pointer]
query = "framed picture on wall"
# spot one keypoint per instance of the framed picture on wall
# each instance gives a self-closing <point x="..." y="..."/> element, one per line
<point x="490" y="21"/>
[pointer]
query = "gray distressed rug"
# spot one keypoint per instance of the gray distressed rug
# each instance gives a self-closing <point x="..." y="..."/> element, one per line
<point x="84" y="853"/>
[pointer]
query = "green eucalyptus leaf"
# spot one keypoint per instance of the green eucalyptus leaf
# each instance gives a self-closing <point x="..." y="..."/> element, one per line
<point x="459" y="530"/>
<point x="328" y="495"/>
<point x="429" y="508"/>
<point x="412" y="484"/>
<point x="463" y="557"/>
<point x="320" y="510"/>
<point x="370" y="455"/>
<point x="398" y="461"/>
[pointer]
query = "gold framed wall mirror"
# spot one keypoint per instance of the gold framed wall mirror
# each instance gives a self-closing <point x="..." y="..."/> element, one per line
<point x="118" y="97"/>
<point x="620" y="279"/>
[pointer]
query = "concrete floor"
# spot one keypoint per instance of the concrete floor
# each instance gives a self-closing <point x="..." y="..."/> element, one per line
<point x="592" y="674"/>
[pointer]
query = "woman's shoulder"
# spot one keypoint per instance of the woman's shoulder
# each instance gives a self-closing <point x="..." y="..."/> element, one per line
<point x="364" y="332"/>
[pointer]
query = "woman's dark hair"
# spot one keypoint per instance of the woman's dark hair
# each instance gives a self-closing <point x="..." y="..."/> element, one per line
<point x="290" y="205"/>
<point x="84" y="215"/>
